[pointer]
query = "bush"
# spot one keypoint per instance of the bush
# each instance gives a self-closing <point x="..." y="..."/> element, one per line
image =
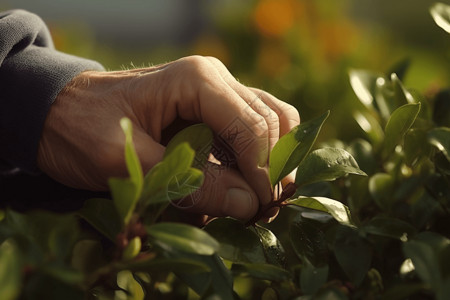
<point x="386" y="236"/>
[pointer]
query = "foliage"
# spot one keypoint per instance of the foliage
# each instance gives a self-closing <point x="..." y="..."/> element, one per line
<point x="364" y="219"/>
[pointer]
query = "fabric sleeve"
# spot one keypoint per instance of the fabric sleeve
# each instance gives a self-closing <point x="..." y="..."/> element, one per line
<point x="32" y="73"/>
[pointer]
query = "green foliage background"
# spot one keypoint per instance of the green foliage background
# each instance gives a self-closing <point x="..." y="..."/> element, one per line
<point x="304" y="59"/>
<point x="385" y="235"/>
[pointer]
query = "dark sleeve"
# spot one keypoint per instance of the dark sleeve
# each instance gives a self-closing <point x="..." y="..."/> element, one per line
<point x="32" y="73"/>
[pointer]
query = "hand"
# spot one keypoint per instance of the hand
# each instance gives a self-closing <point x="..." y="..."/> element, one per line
<point x="82" y="142"/>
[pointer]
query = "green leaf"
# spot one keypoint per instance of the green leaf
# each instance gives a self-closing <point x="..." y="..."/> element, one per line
<point x="132" y="249"/>
<point x="385" y="97"/>
<point x="102" y="215"/>
<point x="273" y="249"/>
<point x="218" y="281"/>
<point x="309" y="243"/>
<point x="127" y="282"/>
<point x="269" y="294"/>
<point x="164" y="264"/>
<point x="441" y="248"/>
<point x="424" y="260"/>
<point x="183" y="184"/>
<point x="402" y="95"/>
<point x="403" y="291"/>
<point x="131" y="158"/>
<point x="338" y="210"/>
<point x="363" y="153"/>
<point x="415" y="145"/>
<point x="441" y="15"/>
<point x="381" y="187"/>
<point x="353" y="253"/>
<point x="293" y="147"/>
<point x="261" y="271"/>
<point x="440" y="138"/>
<point x="370" y="126"/>
<point x="63" y="273"/>
<point x="237" y="243"/>
<point x="389" y="227"/>
<point x="326" y="164"/>
<point x="87" y="256"/>
<point x="10" y="277"/>
<point x="43" y="233"/>
<point x="175" y="167"/>
<point x="363" y="84"/>
<point x="183" y="238"/>
<point x="399" y="123"/>
<point x="200" y="139"/>
<point x="312" y="278"/>
<point x="126" y="192"/>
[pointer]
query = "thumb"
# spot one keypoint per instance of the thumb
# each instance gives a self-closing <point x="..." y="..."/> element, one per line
<point x="223" y="193"/>
<point x="148" y="150"/>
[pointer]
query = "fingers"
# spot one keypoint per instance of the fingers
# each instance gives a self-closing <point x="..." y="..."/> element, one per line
<point x="280" y="117"/>
<point x="199" y="89"/>
<point x="288" y="118"/>
<point x="255" y="104"/>
<point x="287" y="114"/>
<point x="194" y="89"/>
<point x="148" y="150"/>
<point x="224" y="193"/>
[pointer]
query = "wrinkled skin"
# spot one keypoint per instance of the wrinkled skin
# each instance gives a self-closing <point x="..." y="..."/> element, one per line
<point x="82" y="142"/>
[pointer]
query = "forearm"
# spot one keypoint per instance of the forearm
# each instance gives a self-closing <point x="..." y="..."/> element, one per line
<point x="32" y="73"/>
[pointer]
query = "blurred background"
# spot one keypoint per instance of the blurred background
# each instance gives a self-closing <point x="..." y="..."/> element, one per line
<point x="299" y="50"/>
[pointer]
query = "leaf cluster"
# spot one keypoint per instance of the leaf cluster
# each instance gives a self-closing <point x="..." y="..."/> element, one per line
<point x="364" y="219"/>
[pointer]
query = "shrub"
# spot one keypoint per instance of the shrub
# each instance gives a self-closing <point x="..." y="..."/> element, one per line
<point x="385" y="236"/>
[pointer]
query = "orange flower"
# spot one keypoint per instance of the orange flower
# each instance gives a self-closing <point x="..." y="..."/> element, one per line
<point x="274" y="17"/>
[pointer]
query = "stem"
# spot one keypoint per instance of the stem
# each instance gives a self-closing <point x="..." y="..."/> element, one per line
<point x="288" y="192"/>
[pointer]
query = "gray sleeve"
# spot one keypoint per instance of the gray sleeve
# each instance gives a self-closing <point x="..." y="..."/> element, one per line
<point x="32" y="73"/>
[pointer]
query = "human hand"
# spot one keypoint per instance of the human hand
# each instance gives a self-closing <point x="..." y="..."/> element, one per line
<point x="82" y="142"/>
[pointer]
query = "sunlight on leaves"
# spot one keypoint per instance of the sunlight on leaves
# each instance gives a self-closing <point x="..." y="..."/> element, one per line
<point x="399" y="123"/>
<point x="127" y="282"/>
<point x="293" y="147"/>
<point x="363" y="84"/>
<point x="369" y="125"/>
<point x="326" y="164"/>
<point x="441" y="15"/>
<point x="338" y="210"/>
<point x="126" y="192"/>
<point x="440" y="138"/>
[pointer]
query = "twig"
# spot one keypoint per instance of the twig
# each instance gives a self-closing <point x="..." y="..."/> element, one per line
<point x="288" y="192"/>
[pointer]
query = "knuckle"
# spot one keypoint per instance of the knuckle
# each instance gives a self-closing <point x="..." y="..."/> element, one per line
<point x="195" y="63"/>
<point x="258" y="125"/>
<point x="291" y="113"/>
<point x="214" y="60"/>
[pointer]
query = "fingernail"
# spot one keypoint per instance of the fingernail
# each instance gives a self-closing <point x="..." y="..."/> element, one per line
<point x="238" y="203"/>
